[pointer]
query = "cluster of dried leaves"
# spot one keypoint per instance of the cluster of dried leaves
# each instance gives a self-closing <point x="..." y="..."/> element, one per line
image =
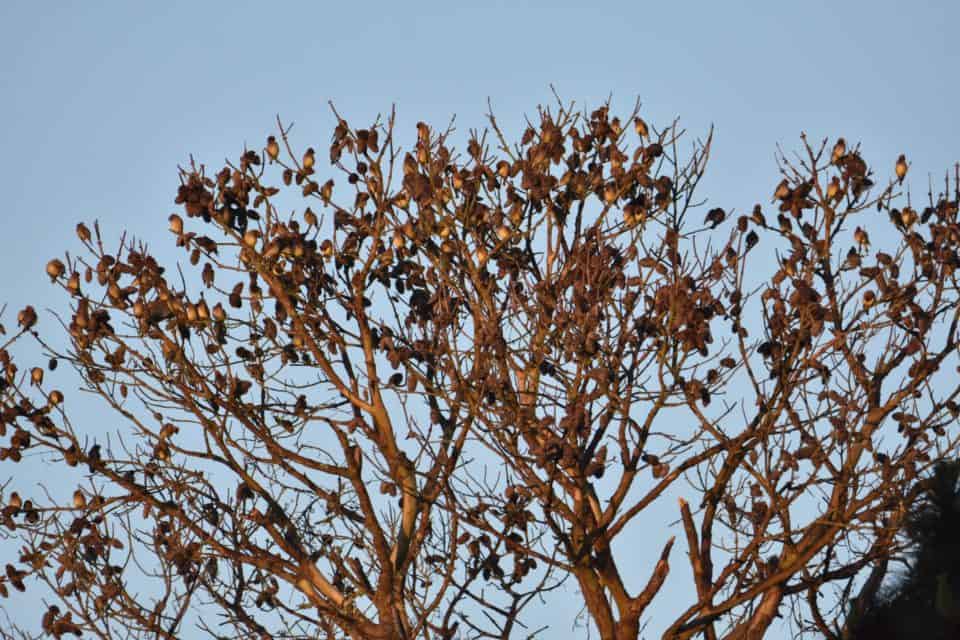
<point x="411" y="409"/>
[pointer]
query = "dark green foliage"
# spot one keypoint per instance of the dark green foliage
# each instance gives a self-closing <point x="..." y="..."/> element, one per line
<point x="925" y="601"/>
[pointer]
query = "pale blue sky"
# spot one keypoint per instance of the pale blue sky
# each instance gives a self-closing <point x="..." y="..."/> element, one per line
<point x="102" y="100"/>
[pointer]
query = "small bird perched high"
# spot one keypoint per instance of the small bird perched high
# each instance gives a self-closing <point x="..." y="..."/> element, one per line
<point x="273" y="148"/>
<point x="309" y="159"/>
<point x="901" y="168"/>
<point x="839" y="151"/>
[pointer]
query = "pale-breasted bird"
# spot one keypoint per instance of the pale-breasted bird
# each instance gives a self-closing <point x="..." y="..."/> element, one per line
<point x="309" y="159"/>
<point x="861" y="237"/>
<point x="901" y="167"/>
<point x="55" y="269"/>
<point x="641" y="127"/>
<point x="839" y="151"/>
<point x="273" y="149"/>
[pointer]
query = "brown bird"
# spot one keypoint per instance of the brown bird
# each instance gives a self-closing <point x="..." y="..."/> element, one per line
<point x="83" y="232"/>
<point x="715" y="217"/>
<point x="55" y="269"/>
<point x="176" y="224"/>
<point x="641" y="127"/>
<point x="908" y="217"/>
<point x="79" y="500"/>
<point x="901" y="167"/>
<point x="273" y="149"/>
<point x="309" y="159"/>
<point x="833" y="189"/>
<point x="861" y="237"/>
<point x="839" y="151"/>
<point x="783" y="191"/>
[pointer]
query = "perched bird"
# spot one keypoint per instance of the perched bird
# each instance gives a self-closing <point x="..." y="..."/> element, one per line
<point x="908" y="217"/>
<point x="176" y="224"/>
<point x="839" y="151"/>
<point x="901" y="168"/>
<point x="715" y="217"/>
<point x="55" y="269"/>
<point x="79" y="500"/>
<point x="782" y="191"/>
<point x="833" y="189"/>
<point x="861" y="237"/>
<point x="640" y="127"/>
<point x="273" y="149"/>
<point x="309" y="159"/>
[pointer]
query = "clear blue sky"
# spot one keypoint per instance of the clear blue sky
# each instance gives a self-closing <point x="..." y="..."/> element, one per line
<point x="102" y="100"/>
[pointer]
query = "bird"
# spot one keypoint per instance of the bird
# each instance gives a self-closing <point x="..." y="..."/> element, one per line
<point x="901" y="168"/>
<point x="908" y="217"/>
<point x="55" y="269"/>
<point x="782" y="191"/>
<point x="833" y="189"/>
<point x="715" y="217"/>
<point x="79" y="500"/>
<point x="309" y="159"/>
<point x="861" y="237"/>
<point x="839" y="151"/>
<point x="640" y="127"/>
<point x="273" y="149"/>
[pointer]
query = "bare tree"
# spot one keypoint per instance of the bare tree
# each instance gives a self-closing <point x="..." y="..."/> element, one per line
<point x="411" y="408"/>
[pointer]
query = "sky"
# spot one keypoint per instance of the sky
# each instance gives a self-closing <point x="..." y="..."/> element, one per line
<point x="101" y="101"/>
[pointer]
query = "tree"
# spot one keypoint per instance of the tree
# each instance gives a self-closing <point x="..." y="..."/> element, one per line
<point x="922" y="602"/>
<point x="412" y="407"/>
